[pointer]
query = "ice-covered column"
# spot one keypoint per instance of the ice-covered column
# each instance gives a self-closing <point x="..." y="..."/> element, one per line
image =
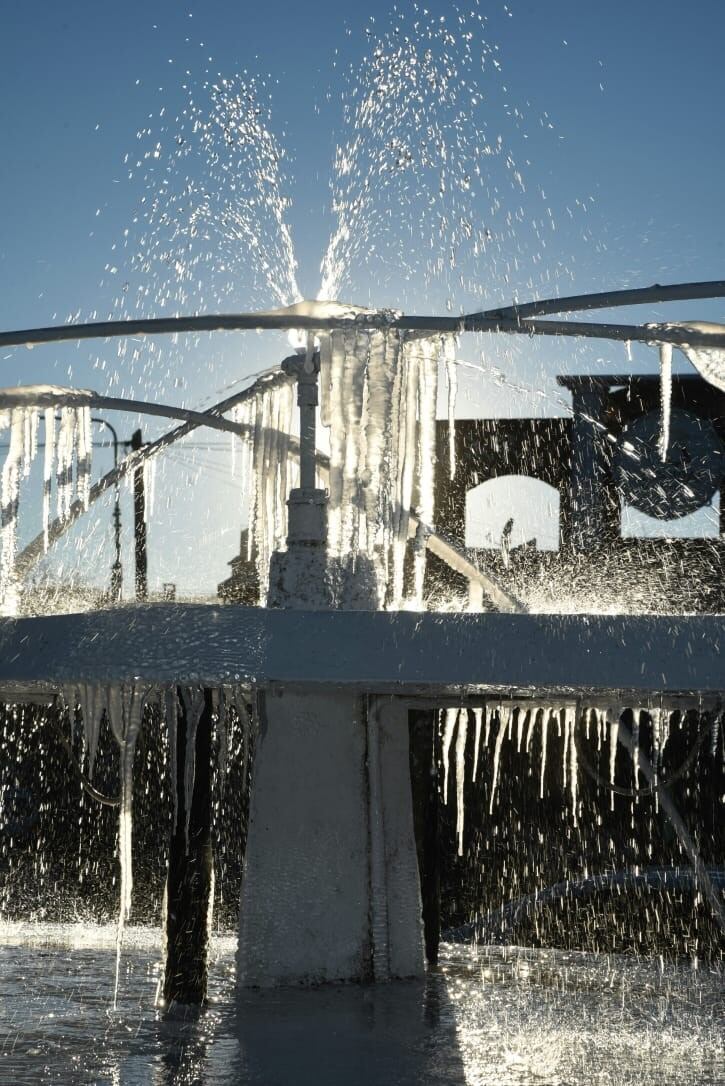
<point x="330" y="888"/>
<point x="298" y="577"/>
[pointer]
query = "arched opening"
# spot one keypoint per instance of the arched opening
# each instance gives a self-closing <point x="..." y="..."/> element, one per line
<point x="532" y="506"/>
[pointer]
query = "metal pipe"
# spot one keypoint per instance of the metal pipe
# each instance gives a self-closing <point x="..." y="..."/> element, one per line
<point x="139" y="523"/>
<point x="610" y="300"/>
<point x="9" y="397"/>
<point x="116" y="568"/>
<point x="499" y="320"/>
<point x="27" y="558"/>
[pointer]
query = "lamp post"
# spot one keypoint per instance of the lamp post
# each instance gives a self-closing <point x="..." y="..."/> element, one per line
<point x="116" y="568"/>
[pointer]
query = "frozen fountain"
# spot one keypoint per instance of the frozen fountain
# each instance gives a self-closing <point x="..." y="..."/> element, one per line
<point x="326" y="672"/>
<point x="353" y="705"/>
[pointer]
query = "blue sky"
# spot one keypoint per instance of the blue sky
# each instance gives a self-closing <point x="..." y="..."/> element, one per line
<point x="634" y="92"/>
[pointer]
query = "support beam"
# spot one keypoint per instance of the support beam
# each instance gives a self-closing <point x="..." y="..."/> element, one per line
<point x="426" y="801"/>
<point x="330" y="888"/>
<point x="189" y="887"/>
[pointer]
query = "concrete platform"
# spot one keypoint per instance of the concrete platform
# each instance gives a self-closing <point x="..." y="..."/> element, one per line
<point x="374" y="652"/>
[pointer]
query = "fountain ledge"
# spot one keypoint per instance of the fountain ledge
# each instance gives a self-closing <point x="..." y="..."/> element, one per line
<point x="364" y="650"/>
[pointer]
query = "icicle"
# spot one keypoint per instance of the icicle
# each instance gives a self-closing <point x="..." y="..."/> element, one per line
<point x="325" y="379"/>
<point x="504" y="717"/>
<point x="571" y="717"/>
<point x="449" y="355"/>
<point x="10" y="501"/>
<point x="656" y="717"/>
<point x="533" y="714"/>
<point x="408" y="462"/>
<point x="564" y="719"/>
<point x="544" y="730"/>
<point x="193" y="700"/>
<point x="30" y="438"/>
<point x="125" y="705"/>
<point x="635" y="740"/>
<point x="377" y="477"/>
<point x="665" y="396"/>
<point x="84" y="447"/>
<point x="70" y="699"/>
<point x="450" y="717"/>
<point x="286" y="398"/>
<point x="255" y="454"/>
<point x="246" y="724"/>
<point x="222" y="699"/>
<point x="48" y="463"/>
<point x="337" y="442"/>
<point x="478" y="718"/>
<point x="66" y="447"/>
<point x="171" y="707"/>
<point x="92" y="701"/>
<point x="149" y="487"/>
<point x="708" y="361"/>
<point x="613" y="718"/>
<point x="520" y="718"/>
<point x="460" y="775"/>
<point x="427" y="400"/>
<point x="488" y="717"/>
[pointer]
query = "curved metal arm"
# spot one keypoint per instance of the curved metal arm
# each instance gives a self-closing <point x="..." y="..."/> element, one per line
<point x="509" y="319"/>
<point x="611" y="299"/>
<point x="35" y="550"/>
<point x="135" y="407"/>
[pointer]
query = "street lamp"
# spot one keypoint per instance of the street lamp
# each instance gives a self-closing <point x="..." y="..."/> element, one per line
<point x="116" y="568"/>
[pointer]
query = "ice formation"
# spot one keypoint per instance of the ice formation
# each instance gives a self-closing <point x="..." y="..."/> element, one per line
<point x="92" y="699"/>
<point x="125" y="704"/>
<point x="460" y="776"/>
<point x="478" y="718"/>
<point x="449" y="726"/>
<point x="266" y="469"/>
<point x="12" y="470"/>
<point x="378" y="397"/>
<point x="223" y="699"/>
<point x="504" y="717"/>
<point x="569" y="717"/>
<point x="708" y="361"/>
<point x="665" y="396"/>
<point x="73" y="447"/>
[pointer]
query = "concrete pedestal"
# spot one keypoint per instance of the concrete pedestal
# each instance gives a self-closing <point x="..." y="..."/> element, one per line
<point x="330" y="888"/>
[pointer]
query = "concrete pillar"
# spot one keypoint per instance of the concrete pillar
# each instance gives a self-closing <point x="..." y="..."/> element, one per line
<point x="330" y="889"/>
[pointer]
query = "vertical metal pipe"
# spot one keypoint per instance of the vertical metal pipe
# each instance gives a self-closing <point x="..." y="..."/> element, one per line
<point x="307" y="399"/>
<point x="139" y="523"/>
<point x="189" y="888"/>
